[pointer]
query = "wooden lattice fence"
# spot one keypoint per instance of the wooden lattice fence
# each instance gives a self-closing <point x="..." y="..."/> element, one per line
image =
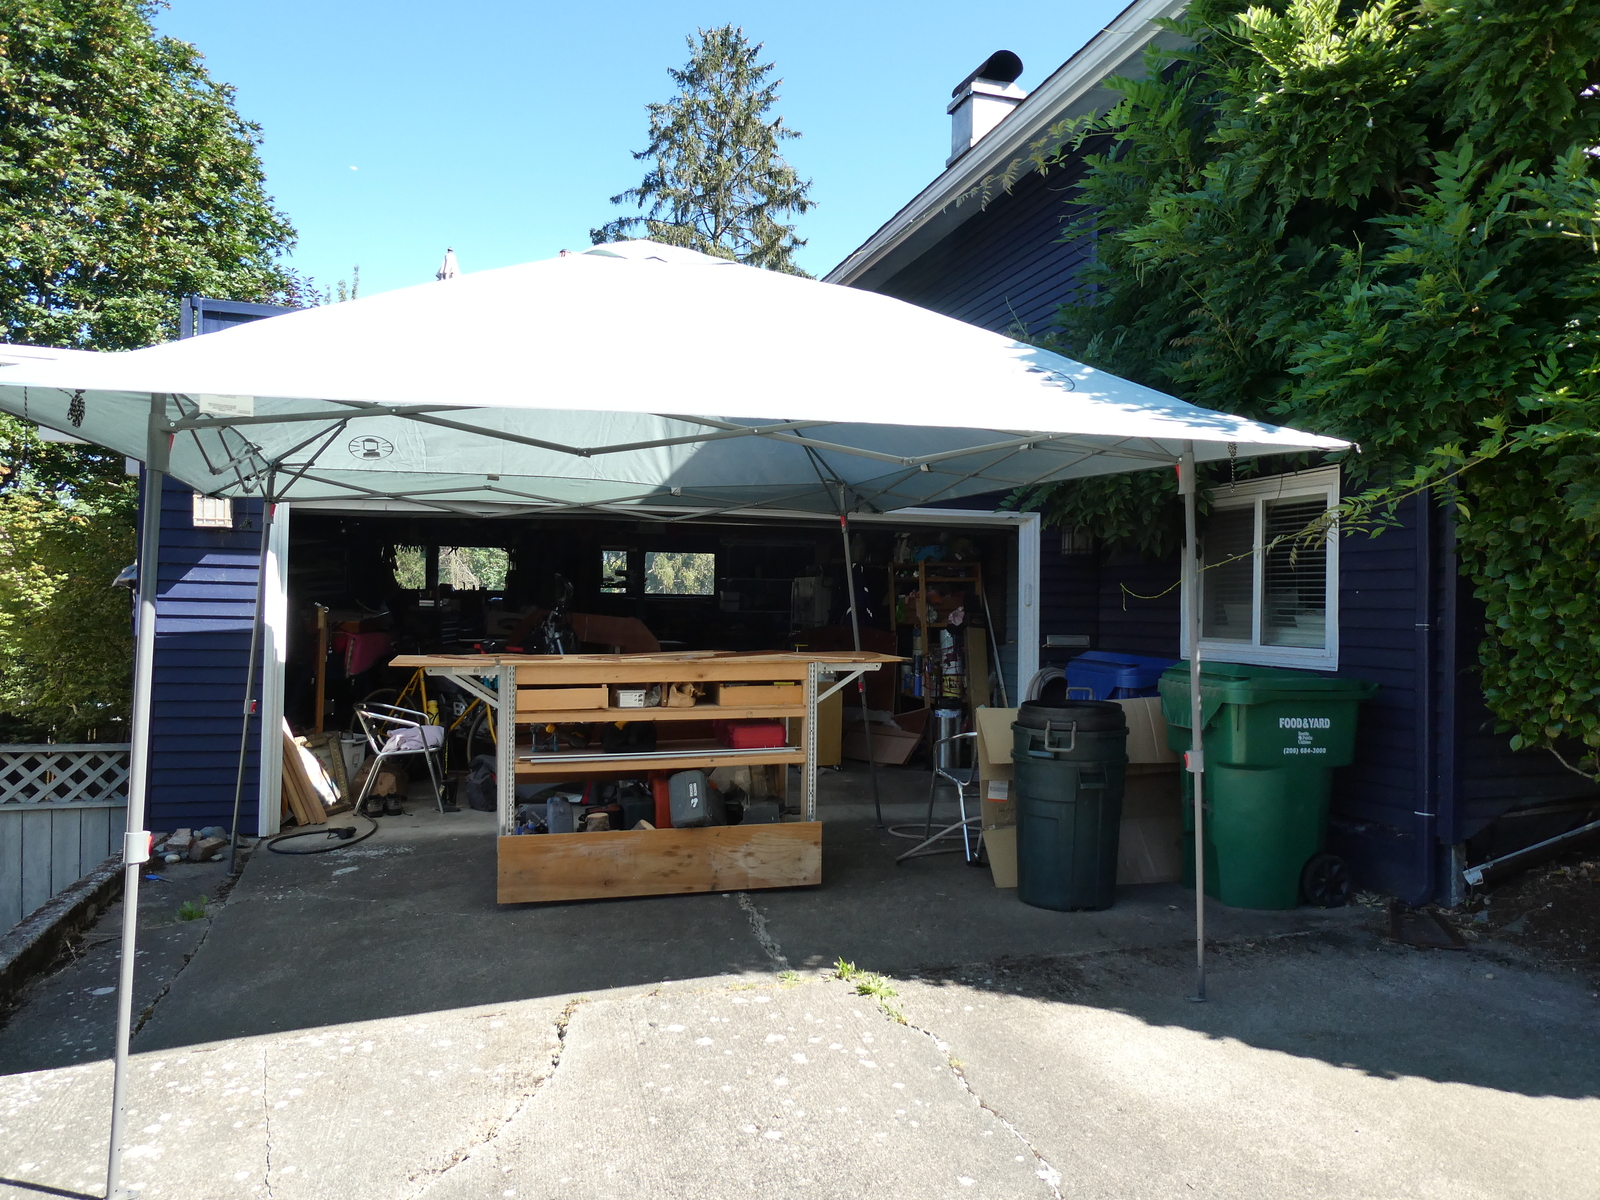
<point x="62" y="812"/>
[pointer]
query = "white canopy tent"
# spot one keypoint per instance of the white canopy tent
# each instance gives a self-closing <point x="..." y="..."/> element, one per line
<point x="633" y="378"/>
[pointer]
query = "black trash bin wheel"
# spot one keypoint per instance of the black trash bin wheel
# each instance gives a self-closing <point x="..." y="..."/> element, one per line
<point x="1325" y="881"/>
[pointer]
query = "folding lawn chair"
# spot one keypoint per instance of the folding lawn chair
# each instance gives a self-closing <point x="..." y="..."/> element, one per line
<point x="965" y="780"/>
<point x="394" y="732"/>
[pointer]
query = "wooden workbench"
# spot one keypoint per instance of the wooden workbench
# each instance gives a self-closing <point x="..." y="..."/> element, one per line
<point x="586" y="866"/>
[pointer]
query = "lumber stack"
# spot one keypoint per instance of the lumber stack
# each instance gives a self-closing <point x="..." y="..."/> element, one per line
<point x="300" y="798"/>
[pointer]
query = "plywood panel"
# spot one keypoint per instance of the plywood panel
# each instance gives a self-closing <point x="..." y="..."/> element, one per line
<point x="659" y="862"/>
<point x="575" y="766"/>
<point x="698" y="712"/>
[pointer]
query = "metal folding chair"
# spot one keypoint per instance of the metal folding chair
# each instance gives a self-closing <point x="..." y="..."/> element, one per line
<point x="970" y="827"/>
<point x="385" y="727"/>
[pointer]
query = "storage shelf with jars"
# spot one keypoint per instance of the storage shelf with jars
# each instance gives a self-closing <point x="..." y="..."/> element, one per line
<point x="938" y="615"/>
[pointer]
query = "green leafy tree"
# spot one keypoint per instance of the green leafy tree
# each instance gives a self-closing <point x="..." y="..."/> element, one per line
<point x="1381" y="222"/>
<point x="717" y="182"/>
<point x="127" y="181"/>
<point x="66" y="645"/>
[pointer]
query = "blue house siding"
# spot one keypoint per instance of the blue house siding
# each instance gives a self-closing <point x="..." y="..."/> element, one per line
<point x="205" y="605"/>
<point x="204" y="609"/>
<point x="1005" y="266"/>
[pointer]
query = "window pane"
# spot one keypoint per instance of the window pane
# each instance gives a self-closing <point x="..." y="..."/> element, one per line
<point x="670" y="573"/>
<point x="473" y="568"/>
<point x="1295" y="578"/>
<point x="1226" y="586"/>
<point x="411" y="567"/>
<point x="614" y="571"/>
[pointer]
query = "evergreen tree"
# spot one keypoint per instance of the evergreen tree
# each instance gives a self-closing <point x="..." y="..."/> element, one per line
<point x="717" y="182"/>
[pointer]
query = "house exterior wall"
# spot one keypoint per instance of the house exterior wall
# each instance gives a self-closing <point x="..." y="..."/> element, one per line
<point x="205" y="602"/>
<point x="1006" y="268"/>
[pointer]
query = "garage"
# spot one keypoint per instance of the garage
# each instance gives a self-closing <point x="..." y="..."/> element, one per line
<point x="949" y="590"/>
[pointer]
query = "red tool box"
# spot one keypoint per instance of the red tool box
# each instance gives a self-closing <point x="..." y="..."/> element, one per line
<point x="750" y="735"/>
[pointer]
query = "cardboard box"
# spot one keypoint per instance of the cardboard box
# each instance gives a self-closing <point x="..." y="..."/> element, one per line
<point x="994" y="742"/>
<point x="1147" y="731"/>
<point x="552" y="699"/>
<point x="1147" y="736"/>
<point x="1150" y="846"/>
<point x="1002" y="847"/>
<point x="999" y="805"/>
<point x="892" y="745"/>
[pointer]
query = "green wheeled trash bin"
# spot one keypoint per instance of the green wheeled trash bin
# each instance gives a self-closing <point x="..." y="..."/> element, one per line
<point x="1069" y="764"/>
<point x="1272" y="739"/>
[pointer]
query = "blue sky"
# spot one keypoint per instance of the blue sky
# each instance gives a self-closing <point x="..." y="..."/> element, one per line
<point x="395" y="129"/>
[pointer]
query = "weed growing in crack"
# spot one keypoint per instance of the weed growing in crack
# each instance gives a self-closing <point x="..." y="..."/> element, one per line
<point x="193" y="910"/>
<point x="788" y="979"/>
<point x="870" y="983"/>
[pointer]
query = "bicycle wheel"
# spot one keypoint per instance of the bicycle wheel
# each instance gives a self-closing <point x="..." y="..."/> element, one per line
<point x="480" y="738"/>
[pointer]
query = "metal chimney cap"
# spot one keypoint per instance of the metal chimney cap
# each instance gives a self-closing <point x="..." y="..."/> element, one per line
<point x="1001" y="67"/>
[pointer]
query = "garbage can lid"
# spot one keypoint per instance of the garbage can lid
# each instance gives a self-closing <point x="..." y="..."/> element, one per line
<point x="1238" y="683"/>
<point x="1090" y="716"/>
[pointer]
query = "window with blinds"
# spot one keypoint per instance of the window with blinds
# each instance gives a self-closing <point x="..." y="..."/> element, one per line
<point x="1267" y="571"/>
<point x="1294" y="575"/>
<point x="1229" y="582"/>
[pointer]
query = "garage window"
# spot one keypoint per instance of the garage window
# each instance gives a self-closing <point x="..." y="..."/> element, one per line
<point x="679" y="573"/>
<point x="474" y="568"/>
<point x="614" y="572"/>
<point x="1266" y="595"/>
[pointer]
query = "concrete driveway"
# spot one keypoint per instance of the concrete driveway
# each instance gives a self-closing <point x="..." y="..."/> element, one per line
<point x="369" y="1023"/>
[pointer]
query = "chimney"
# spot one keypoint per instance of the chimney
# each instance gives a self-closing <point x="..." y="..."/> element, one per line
<point x="981" y="100"/>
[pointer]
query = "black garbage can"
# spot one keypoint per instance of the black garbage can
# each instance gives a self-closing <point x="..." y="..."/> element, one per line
<point x="1069" y="763"/>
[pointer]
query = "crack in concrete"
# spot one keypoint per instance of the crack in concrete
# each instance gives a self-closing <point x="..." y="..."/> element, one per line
<point x="458" y="1157"/>
<point x="758" y="925"/>
<point x="266" y="1115"/>
<point x="1045" y="1170"/>
<point x="149" y="1009"/>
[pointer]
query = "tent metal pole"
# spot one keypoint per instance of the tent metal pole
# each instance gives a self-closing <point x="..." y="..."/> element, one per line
<point x="268" y="509"/>
<point x="136" y="839"/>
<point x="861" y="680"/>
<point x="1195" y="759"/>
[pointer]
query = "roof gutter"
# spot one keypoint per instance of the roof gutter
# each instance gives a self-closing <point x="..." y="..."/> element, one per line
<point x="1133" y="29"/>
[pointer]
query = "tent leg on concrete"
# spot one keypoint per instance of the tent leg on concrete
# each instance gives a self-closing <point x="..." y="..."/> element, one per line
<point x="136" y="840"/>
<point x="250" y="681"/>
<point x="1195" y="759"/>
<point x="861" y="680"/>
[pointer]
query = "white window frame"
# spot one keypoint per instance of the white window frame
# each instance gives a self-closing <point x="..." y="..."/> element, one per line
<point x="1255" y="493"/>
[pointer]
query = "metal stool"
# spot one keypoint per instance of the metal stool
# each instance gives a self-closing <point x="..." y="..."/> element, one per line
<point x="971" y="833"/>
<point x="393" y="723"/>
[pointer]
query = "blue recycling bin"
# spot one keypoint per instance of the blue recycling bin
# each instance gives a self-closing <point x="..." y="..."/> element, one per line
<point x="1107" y="675"/>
